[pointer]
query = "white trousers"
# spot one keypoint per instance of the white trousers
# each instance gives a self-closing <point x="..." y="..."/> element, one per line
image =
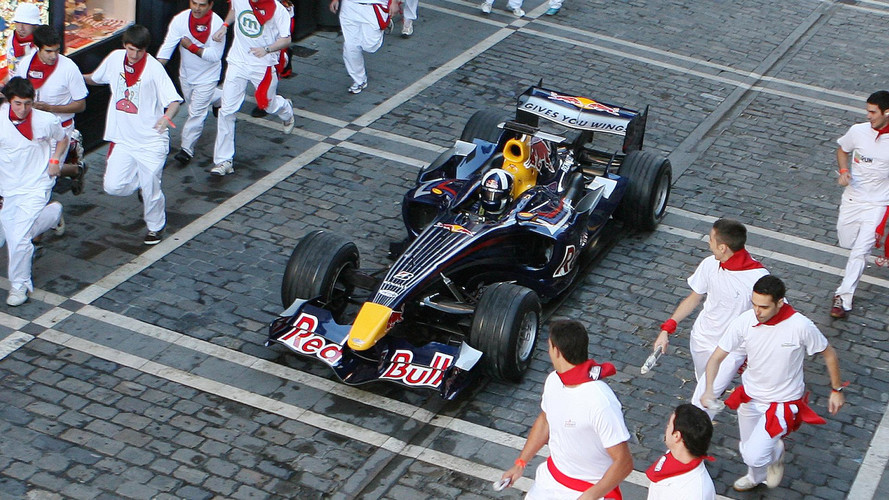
<point x="758" y="449"/>
<point x="130" y="169"/>
<point x="233" y="91"/>
<point x="361" y="33"/>
<point x="25" y="216"/>
<point x="199" y="99"/>
<point x="700" y="354"/>
<point x="512" y="4"/>
<point x="409" y="9"/>
<point x="856" y="225"/>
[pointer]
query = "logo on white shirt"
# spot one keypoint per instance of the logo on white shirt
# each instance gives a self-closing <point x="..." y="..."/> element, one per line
<point x="249" y="25"/>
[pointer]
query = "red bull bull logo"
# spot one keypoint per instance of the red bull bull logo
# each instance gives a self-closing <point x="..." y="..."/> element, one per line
<point x="584" y="103"/>
<point x="454" y="228"/>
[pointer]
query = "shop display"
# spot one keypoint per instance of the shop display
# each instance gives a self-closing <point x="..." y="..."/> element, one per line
<point x="90" y="21"/>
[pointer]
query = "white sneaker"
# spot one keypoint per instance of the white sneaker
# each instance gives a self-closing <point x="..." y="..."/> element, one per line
<point x="744" y="484"/>
<point x="17" y="297"/>
<point x="356" y="88"/>
<point x="518" y="13"/>
<point x="288" y="125"/>
<point x="407" y="29"/>
<point x="486" y="7"/>
<point x="775" y="472"/>
<point x="60" y="227"/>
<point x="223" y="168"/>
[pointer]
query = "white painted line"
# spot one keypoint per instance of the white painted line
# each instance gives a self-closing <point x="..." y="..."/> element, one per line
<point x="874" y="464"/>
<point x="276" y="125"/>
<point x="12" y="342"/>
<point x="389" y="136"/>
<point x="383" y="154"/>
<point x="13" y="322"/>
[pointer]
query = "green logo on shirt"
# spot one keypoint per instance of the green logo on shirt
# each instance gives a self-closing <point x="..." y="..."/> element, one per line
<point x="248" y="24"/>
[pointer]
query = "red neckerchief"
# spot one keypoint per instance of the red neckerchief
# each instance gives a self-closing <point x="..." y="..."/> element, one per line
<point x="263" y="10"/>
<point x="132" y="72"/>
<point x="804" y="414"/>
<point x="881" y="131"/>
<point x="740" y="261"/>
<point x="587" y="371"/>
<point x="785" y="312"/>
<point x="20" y="44"/>
<point x="667" y="466"/>
<point x="200" y="28"/>
<point x="38" y="71"/>
<point x="23" y="126"/>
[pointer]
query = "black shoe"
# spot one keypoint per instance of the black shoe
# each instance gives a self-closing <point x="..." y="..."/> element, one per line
<point x="258" y="112"/>
<point x="153" y="237"/>
<point x="215" y="111"/>
<point x="77" y="182"/>
<point x="139" y="196"/>
<point x="183" y="157"/>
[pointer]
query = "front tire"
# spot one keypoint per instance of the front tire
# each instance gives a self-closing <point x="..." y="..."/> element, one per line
<point x="483" y="125"/>
<point x="318" y="267"/>
<point x="505" y="328"/>
<point x="645" y="202"/>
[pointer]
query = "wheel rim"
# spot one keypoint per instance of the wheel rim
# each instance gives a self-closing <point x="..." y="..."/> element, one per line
<point x="660" y="197"/>
<point x="527" y="336"/>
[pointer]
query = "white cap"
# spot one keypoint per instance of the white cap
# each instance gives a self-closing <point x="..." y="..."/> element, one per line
<point x="27" y="13"/>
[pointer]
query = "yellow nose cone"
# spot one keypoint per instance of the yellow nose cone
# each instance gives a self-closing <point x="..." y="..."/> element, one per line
<point x="370" y="326"/>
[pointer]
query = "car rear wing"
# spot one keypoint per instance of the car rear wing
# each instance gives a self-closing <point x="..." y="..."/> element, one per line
<point x="582" y="113"/>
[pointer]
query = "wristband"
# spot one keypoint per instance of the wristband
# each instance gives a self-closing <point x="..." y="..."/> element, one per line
<point x="53" y="161"/>
<point x="193" y="48"/>
<point x="669" y="326"/>
<point x="169" y="121"/>
<point x="225" y="25"/>
<point x="844" y="171"/>
<point x="521" y="463"/>
<point x="840" y="388"/>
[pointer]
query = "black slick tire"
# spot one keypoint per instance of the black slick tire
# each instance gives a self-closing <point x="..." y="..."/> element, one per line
<point x="317" y="268"/>
<point x="505" y="328"/>
<point x="649" y="179"/>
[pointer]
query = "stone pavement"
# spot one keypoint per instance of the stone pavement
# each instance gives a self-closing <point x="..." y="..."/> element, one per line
<point x="141" y="373"/>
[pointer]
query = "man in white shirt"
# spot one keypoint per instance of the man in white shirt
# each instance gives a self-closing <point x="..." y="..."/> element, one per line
<point x="21" y="43"/>
<point x="200" y="64"/>
<point x="262" y="29"/>
<point x="772" y="400"/>
<point x="680" y="473"/>
<point x="363" y="23"/>
<point x="582" y="422"/>
<point x="142" y="106"/>
<point x="723" y="282"/>
<point x="32" y="142"/>
<point x="865" y="199"/>
<point x="59" y="90"/>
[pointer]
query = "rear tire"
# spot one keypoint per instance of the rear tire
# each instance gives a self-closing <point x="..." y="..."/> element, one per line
<point x="505" y="328"/>
<point x="483" y="125"/>
<point x="645" y="202"/>
<point x="317" y="268"/>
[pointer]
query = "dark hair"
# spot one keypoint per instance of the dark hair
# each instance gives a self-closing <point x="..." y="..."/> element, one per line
<point x="730" y="233"/>
<point x="18" y="87"/>
<point x="138" y="36"/>
<point x="570" y="338"/>
<point x="771" y="286"/>
<point x="880" y="98"/>
<point x="695" y="427"/>
<point x="45" y="36"/>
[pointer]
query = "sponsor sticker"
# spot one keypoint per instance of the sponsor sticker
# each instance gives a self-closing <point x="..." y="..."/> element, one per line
<point x="568" y="262"/>
<point x="402" y="369"/>
<point x="302" y="339"/>
<point x="454" y="228"/>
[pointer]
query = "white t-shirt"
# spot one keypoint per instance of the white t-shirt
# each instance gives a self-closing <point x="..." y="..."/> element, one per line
<point x="249" y="33"/>
<point x="24" y="164"/>
<point x="775" y="354"/>
<point x="869" y="166"/>
<point x="693" y="485"/>
<point x="728" y="294"/>
<point x="194" y="69"/>
<point x="64" y="86"/>
<point x="133" y="111"/>
<point x="584" y="421"/>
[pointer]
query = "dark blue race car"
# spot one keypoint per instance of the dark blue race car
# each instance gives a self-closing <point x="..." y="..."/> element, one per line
<point x="496" y="226"/>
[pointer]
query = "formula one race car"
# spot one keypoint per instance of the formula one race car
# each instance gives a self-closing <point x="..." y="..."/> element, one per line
<point x="495" y="226"/>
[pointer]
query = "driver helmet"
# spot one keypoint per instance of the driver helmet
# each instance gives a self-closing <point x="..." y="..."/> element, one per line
<point x="496" y="191"/>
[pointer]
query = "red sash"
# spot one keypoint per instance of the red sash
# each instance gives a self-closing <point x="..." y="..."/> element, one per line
<point x="804" y="413"/>
<point x="200" y="28"/>
<point x="577" y="484"/>
<point x="38" y="72"/>
<point x="880" y="233"/>
<point x="382" y="12"/>
<point x="132" y="72"/>
<point x="19" y="44"/>
<point x="263" y="10"/>
<point x="23" y="126"/>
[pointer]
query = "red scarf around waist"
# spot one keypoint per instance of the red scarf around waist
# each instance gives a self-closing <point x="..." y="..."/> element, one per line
<point x="38" y="72"/>
<point x="200" y="28"/>
<point x="587" y="371"/>
<point x="23" y="126"/>
<point x="263" y="10"/>
<point x="577" y="484"/>
<point x="21" y="44"/>
<point x="667" y="466"/>
<point x="804" y="413"/>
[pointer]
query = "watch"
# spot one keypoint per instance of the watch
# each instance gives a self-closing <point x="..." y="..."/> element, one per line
<point x="267" y="51"/>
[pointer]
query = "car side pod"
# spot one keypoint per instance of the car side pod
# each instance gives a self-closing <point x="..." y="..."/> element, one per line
<point x="370" y="326"/>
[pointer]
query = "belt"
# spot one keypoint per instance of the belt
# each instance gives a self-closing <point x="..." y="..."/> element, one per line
<point x="69" y="121"/>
